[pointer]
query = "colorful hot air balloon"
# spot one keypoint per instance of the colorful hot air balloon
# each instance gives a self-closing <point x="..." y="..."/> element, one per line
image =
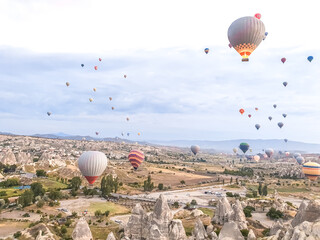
<point x="274" y="105"/>
<point x="128" y="119"/>
<point x="283" y="60"/>
<point x="287" y="154"/>
<point x="110" y="98"/>
<point x="257" y="15"/>
<point x="68" y="84"/>
<point x="195" y="149"/>
<point x="48" y="113"/>
<point x="128" y="134"/>
<point x="286" y="140"/>
<point x="245" y="34"/>
<point x="244" y="147"/>
<point x="136" y="158"/>
<point x="235" y="150"/>
<point x="269" y="152"/>
<point x="97" y="133"/>
<point x="256" y="109"/>
<point x="285" y="84"/>
<point x="92" y="164"/>
<point x="256" y="158"/>
<point x="112" y="108"/>
<point x="90" y="99"/>
<point x="206" y="50"/>
<point x="125" y="76"/>
<point x="265" y="35"/>
<point x="311" y="170"/>
<point x="139" y="134"/>
<point x="300" y="160"/>
<point x="100" y="59"/>
<point x="297" y="155"/>
<point x="241" y="111"/>
<point x="310" y="58"/>
<point x="95" y="67"/>
<point x="82" y="65"/>
<point x="284" y="115"/>
<point x="94" y="89"/>
<point x="257" y="126"/>
<point x="270" y="118"/>
<point x="249" y="115"/>
<point x="280" y="124"/>
<point x="230" y="46"/>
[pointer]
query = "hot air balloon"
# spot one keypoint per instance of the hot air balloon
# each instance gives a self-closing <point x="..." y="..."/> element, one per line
<point x="68" y="84"/>
<point x="139" y="134"/>
<point x="82" y="65"/>
<point x="90" y="99"/>
<point x="110" y="98"/>
<point x="287" y="154"/>
<point x="244" y="147"/>
<point x="265" y="35"/>
<point x="311" y="170"/>
<point x="241" y="110"/>
<point x="136" y="158"/>
<point x="283" y="60"/>
<point x="256" y="109"/>
<point x="270" y="118"/>
<point x="269" y="152"/>
<point x="284" y="115"/>
<point x="257" y="126"/>
<point x="92" y="164"/>
<point x="250" y="149"/>
<point x="195" y="149"/>
<point x="280" y="124"/>
<point x="100" y="59"/>
<point x="274" y="105"/>
<point x="122" y="133"/>
<point x="235" y="150"/>
<point x="97" y="133"/>
<point x="95" y="67"/>
<point x="128" y="134"/>
<point x="297" y="155"/>
<point x="310" y="58"/>
<point x="257" y="15"/>
<point x="300" y="160"/>
<point x="48" y="113"/>
<point x="286" y="140"/>
<point x="112" y="108"/>
<point x="206" y="50"/>
<point x="125" y="76"/>
<point x="256" y="158"/>
<point x="285" y="84"/>
<point x="230" y="46"/>
<point x="245" y="34"/>
<point x="94" y="89"/>
<point x="249" y="115"/>
<point x="128" y="119"/>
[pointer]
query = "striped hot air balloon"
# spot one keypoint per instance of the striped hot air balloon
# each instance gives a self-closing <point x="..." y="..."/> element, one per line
<point x="311" y="170"/>
<point x="92" y="164"/>
<point x="136" y="158"/>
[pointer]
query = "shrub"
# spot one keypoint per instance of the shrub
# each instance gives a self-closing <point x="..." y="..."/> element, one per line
<point x="274" y="214"/>
<point x="107" y="213"/>
<point x="244" y="232"/>
<point x="17" y="234"/>
<point x="26" y="215"/>
<point x="40" y="204"/>
<point x="229" y="194"/>
<point x="160" y="186"/>
<point x="98" y="213"/>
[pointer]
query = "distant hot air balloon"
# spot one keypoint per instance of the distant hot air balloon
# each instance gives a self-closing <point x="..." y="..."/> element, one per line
<point x="128" y="134"/>
<point x="257" y="126"/>
<point x="206" y="50"/>
<point x="286" y="140"/>
<point x="139" y="134"/>
<point x="100" y="59"/>
<point x="256" y="109"/>
<point x="297" y="155"/>
<point x="256" y="158"/>
<point x="311" y="170"/>
<point x="287" y="154"/>
<point x="95" y="67"/>
<point x="235" y="150"/>
<point x="269" y="152"/>
<point x="249" y="115"/>
<point x="245" y="34"/>
<point x="68" y="84"/>
<point x="125" y="76"/>
<point x="270" y="118"/>
<point x="82" y="65"/>
<point x="300" y="160"/>
<point x="265" y="35"/>
<point x="274" y="105"/>
<point x="122" y="133"/>
<point x="97" y="133"/>
<point x="112" y="108"/>
<point x="48" y="113"/>
<point x="136" y="158"/>
<point x="280" y="124"/>
<point x="94" y="89"/>
<point x="257" y="15"/>
<point x="110" y="98"/>
<point x="283" y="60"/>
<point x="241" y="110"/>
<point x="90" y="99"/>
<point x="284" y="115"/>
<point x="195" y="149"/>
<point x="128" y="119"/>
<point x="230" y="46"/>
<point x="92" y="164"/>
<point x="250" y="149"/>
<point x="244" y="147"/>
<point x="285" y="84"/>
<point x="310" y="58"/>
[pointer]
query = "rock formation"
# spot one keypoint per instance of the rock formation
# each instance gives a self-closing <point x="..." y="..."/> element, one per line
<point x="199" y="233"/>
<point x="23" y="158"/>
<point x="111" y="236"/>
<point x="307" y="212"/>
<point x="278" y="203"/>
<point x="230" y="231"/>
<point x="196" y="213"/>
<point x="211" y="234"/>
<point x="251" y="235"/>
<point x="38" y="232"/>
<point x="238" y="215"/>
<point x="82" y="231"/>
<point x="9" y="158"/>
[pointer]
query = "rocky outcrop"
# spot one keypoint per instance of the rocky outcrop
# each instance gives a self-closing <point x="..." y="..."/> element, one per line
<point x="196" y="213"/>
<point x="251" y="235"/>
<point x="211" y="234"/>
<point x="238" y="215"/>
<point x="307" y="212"/>
<point x="278" y="203"/>
<point x="111" y="236"/>
<point x="156" y="225"/>
<point x="199" y="232"/>
<point x="9" y="158"/>
<point x="230" y="231"/>
<point x="23" y="158"/>
<point x="38" y="232"/>
<point x="82" y="231"/>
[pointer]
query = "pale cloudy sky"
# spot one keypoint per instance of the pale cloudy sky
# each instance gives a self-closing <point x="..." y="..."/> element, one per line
<point x="173" y="90"/>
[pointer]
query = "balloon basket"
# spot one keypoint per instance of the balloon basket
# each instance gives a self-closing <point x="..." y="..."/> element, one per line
<point x="245" y="59"/>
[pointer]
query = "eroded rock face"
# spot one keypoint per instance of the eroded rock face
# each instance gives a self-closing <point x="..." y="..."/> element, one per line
<point x="176" y="230"/>
<point x="238" y="215"/>
<point x="230" y="231"/>
<point x="199" y="232"/>
<point x="9" y="158"/>
<point x="111" y="236"/>
<point x="23" y="158"/>
<point x="137" y="222"/>
<point x="82" y="231"/>
<point x="223" y="212"/>
<point x="307" y="212"/>
<point x="251" y="235"/>
<point x="38" y="232"/>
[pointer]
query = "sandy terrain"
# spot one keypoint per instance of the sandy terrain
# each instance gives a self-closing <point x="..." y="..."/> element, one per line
<point x="7" y="229"/>
<point x="17" y="215"/>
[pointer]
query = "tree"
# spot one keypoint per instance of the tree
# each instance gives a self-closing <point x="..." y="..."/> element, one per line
<point x="148" y="185"/>
<point x="160" y="186"/>
<point x="260" y="189"/>
<point x="265" y="190"/>
<point x="98" y="213"/>
<point x="274" y="214"/>
<point x="73" y="192"/>
<point x="237" y="181"/>
<point x="107" y="213"/>
<point x="175" y="204"/>
<point x="64" y="230"/>
<point x="193" y="202"/>
<point x="40" y="204"/>
<point x="223" y="182"/>
<point x="55" y="194"/>
<point x="231" y="180"/>
<point x="254" y="193"/>
<point x="26" y="198"/>
<point x="182" y="182"/>
<point x="41" y="173"/>
<point x="37" y="189"/>
<point x="76" y="183"/>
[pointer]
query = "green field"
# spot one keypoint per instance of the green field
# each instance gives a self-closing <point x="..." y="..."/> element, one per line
<point x="11" y="192"/>
<point x="207" y="211"/>
<point x="113" y="208"/>
<point x="50" y="183"/>
<point x="291" y="189"/>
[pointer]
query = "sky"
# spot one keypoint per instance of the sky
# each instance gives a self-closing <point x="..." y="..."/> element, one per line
<point x="173" y="90"/>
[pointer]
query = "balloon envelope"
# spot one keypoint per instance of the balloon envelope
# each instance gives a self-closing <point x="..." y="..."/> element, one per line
<point x="274" y="105"/>
<point x="82" y="65"/>
<point x="311" y="170"/>
<point x="257" y="15"/>
<point x="269" y="152"/>
<point x="230" y="46"/>
<point x="206" y="50"/>
<point x="283" y="60"/>
<point x="92" y="164"/>
<point x="95" y="67"/>
<point x="244" y="147"/>
<point x="286" y="140"/>
<point x="136" y="158"/>
<point x="68" y="84"/>
<point x="280" y="124"/>
<point x="195" y="149"/>
<point x="285" y="84"/>
<point x="310" y="58"/>
<point x="245" y="34"/>
<point x="300" y="160"/>
<point x="48" y="113"/>
<point x="284" y="115"/>
<point x="270" y="118"/>
<point x="90" y="99"/>
<point x="249" y="115"/>
<point x="241" y="110"/>
<point x="257" y="126"/>
<point x="256" y="158"/>
<point x="235" y="150"/>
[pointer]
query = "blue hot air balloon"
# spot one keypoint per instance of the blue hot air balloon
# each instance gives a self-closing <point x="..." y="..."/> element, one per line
<point x="206" y="50"/>
<point x="82" y="65"/>
<point x="310" y="58"/>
